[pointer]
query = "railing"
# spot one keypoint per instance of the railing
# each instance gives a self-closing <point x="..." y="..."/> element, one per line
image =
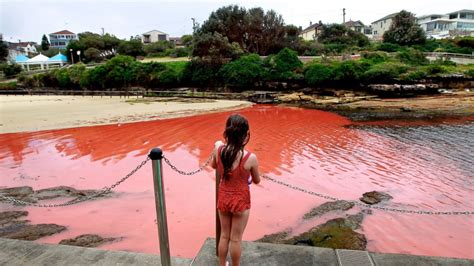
<point x="130" y="93"/>
<point x="449" y="55"/>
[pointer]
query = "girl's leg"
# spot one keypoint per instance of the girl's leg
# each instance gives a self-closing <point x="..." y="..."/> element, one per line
<point x="226" y="223"/>
<point x="239" y="221"/>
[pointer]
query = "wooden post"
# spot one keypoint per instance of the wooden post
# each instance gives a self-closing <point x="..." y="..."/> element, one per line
<point x="218" y="221"/>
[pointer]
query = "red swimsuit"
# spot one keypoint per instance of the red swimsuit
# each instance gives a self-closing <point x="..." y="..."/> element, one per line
<point x="234" y="193"/>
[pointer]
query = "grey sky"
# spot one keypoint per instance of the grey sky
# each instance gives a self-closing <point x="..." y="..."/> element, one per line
<point x="28" y="20"/>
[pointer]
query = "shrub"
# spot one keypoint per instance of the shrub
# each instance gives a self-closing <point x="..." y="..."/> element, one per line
<point x="93" y="54"/>
<point x="62" y="76"/>
<point x="10" y="70"/>
<point x="202" y="72"/>
<point x="286" y="64"/>
<point x="243" y="72"/>
<point x="388" y="47"/>
<point x="375" y="57"/>
<point x="414" y="75"/>
<point x="435" y="69"/>
<point x="349" y="71"/>
<point x="470" y="73"/>
<point x="412" y="56"/>
<point x="317" y="74"/>
<point x="168" y="77"/>
<point x="383" y="72"/>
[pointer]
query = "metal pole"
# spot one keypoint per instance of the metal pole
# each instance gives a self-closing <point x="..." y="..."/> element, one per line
<point x="156" y="155"/>
<point x="218" y="221"/>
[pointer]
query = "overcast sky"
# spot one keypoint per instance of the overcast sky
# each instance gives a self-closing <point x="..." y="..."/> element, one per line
<point x="28" y="20"/>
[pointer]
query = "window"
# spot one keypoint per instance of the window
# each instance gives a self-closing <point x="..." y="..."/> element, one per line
<point x="453" y="16"/>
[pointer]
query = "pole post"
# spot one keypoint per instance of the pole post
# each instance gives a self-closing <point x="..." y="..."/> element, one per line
<point x="156" y="155"/>
<point x="218" y="221"/>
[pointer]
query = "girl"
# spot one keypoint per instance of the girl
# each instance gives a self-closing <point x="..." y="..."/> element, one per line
<point x="234" y="166"/>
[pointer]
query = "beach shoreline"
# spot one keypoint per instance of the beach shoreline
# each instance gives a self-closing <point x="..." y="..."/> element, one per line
<point x="37" y="113"/>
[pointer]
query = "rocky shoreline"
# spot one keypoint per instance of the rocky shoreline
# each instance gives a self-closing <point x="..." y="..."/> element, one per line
<point x="365" y="107"/>
<point x="13" y="224"/>
<point x="339" y="233"/>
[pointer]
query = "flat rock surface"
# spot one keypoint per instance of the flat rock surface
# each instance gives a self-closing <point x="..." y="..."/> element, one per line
<point x="30" y="231"/>
<point x="326" y="207"/>
<point x="87" y="240"/>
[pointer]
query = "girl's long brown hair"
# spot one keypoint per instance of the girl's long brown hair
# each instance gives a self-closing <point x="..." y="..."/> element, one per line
<point x="235" y="133"/>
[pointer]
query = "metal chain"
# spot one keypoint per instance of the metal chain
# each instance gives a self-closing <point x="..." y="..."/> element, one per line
<point x="367" y="205"/>
<point x="167" y="161"/>
<point x="76" y="200"/>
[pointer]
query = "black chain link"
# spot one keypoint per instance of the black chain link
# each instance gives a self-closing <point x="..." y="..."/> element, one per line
<point x="167" y="161"/>
<point x="367" y="205"/>
<point x="101" y="193"/>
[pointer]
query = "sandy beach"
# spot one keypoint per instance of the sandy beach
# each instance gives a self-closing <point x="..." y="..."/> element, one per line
<point x="34" y="113"/>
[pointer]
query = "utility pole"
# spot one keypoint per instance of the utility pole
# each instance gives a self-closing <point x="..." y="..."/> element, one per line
<point x="102" y="31"/>
<point x="343" y="15"/>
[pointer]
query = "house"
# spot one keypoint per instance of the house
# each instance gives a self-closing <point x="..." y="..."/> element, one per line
<point x="380" y="26"/>
<point x="356" y="26"/>
<point x="312" y="32"/>
<point x="154" y="36"/>
<point x="20" y="48"/>
<point x="176" y="40"/>
<point x="457" y="23"/>
<point x="61" y="39"/>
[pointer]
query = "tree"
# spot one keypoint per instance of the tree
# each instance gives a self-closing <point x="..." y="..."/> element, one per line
<point x="404" y="30"/>
<point x="243" y="72"/>
<point x="134" y="48"/>
<point x="3" y="51"/>
<point x="187" y="40"/>
<point x="92" y="54"/>
<point x="212" y="46"/>
<point x="342" y="35"/>
<point x="286" y="62"/>
<point x="44" y="43"/>
<point x="253" y="30"/>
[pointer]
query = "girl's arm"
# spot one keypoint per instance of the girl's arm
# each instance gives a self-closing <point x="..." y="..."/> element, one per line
<point x="214" y="153"/>
<point x="254" y="169"/>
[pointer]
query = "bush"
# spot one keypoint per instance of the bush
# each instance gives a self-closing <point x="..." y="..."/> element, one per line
<point x="436" y="69"/>
<point x="414" y="76"/>
<point x="388" y="47"/>
<point x="318" y="74"/>
<point x="349" y="71"/>
<point x="470" y="73"/>
<point x="384" y="72"/>
<point x="202" y="73"/>
<point x="93" y="54"/>
<point x="243" y="72"/>
<point x="375" y="57"/>
<point x="10" y="70"/>
<point x="167" y="77"/>
<point x="286" y="64"/>
<point x="412" y="56"/>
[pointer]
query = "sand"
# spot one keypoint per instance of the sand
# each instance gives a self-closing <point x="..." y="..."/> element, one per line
<point x="35" y="113"/>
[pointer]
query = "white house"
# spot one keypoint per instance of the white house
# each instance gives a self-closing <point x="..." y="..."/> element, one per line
<point x="61" y="39"/>
<point x="312" y="32"/>
<point x="438" y="26"/>
<point x="20" y="48"/>
<point x="380" y="26"/>
<point x="154" y="36"/>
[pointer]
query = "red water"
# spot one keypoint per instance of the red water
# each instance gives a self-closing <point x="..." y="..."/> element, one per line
<point x="422" y="167"/>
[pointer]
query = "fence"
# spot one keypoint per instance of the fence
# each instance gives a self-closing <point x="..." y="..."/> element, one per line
<point x="156" y="156"/>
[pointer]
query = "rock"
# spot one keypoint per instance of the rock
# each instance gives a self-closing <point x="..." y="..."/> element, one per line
<point x="61" y="191"/>
<point x="375" y="197"/>
<point x="87" y="240"/>
<point x="19" y="193"/>
<point x="328" y="207"/>
<point x="277" y="238"/>
<point x="30" y="232"/>
<point x="9" y="216"/>
<point x="336" y="233"/>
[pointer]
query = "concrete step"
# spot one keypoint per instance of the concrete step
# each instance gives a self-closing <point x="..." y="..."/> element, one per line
<point x="254" y="253"/>
<point x="19" y="252"/>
